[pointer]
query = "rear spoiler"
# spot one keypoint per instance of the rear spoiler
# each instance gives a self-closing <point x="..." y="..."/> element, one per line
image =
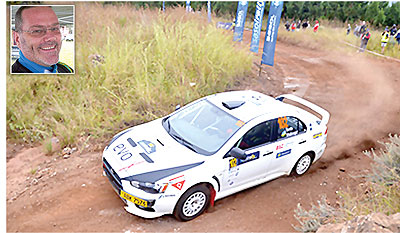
<point x="325" y="114"/>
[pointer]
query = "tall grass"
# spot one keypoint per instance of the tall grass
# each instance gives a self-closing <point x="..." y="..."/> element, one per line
<point x="132" y="66"/>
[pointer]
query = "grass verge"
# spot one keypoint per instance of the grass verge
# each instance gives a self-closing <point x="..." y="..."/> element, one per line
<point x="132" y="66"/>
<point x="381" y="192"/>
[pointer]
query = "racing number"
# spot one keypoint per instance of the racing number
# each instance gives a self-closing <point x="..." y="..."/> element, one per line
<point x="282" y="121"/>
<point x="232" y="163"/>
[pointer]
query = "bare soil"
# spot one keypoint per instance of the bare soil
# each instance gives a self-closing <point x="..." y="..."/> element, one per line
<point x="50" y="193"/>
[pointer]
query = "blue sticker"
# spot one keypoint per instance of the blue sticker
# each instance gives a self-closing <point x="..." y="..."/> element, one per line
<point x="250" y="157"/>
<point x="283" y="153"/>
<point x="147" y="146"/>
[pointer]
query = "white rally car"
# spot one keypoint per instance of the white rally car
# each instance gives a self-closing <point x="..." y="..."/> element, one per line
<point x="211" y="148"/>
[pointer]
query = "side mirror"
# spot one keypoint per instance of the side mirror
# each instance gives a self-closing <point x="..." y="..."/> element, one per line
<point x="177" y="107"/>
<point x="237" y="153"/>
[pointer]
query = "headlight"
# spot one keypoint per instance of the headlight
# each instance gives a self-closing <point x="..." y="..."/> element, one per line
<point x="149" y="187"/>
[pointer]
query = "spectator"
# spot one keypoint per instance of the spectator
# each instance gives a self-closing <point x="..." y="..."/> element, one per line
<point x="304" y="25"/>
<point x="384" y="40"/>
<point x="363" y="28"/>
<point x="316" y="26"/>
<point x="293" y="27"/>
<point x="398" y="37"/>
<point x="393" y="31"/>
<point x="287" y="26"/>
<point x="364" y="40"/>
<point x="348" y="29"/>
<point x="357" y="30"/>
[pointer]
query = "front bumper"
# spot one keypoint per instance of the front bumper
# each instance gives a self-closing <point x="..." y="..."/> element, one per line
<point x="157" y="204"/>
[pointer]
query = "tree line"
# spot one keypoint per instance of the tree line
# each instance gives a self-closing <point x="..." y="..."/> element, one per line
<point x="377" y="13"/>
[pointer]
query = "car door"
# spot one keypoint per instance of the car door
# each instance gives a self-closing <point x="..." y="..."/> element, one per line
<point x="258" y="147"/>
<point x="290" y="135"/>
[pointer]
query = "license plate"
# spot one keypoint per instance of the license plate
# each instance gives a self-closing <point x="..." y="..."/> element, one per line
<point x="133" y="199"/>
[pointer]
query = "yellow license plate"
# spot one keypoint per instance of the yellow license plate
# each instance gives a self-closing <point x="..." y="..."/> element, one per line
<point x="133" y="199"/>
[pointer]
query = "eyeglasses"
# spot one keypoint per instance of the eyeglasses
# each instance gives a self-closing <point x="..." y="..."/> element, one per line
<point x="41" y="31"/>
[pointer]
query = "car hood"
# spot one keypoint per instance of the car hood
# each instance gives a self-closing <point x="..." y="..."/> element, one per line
<point x="148" y="153"/>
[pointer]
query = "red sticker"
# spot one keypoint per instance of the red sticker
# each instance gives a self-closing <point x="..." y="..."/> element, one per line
<point x="179" y="185"/>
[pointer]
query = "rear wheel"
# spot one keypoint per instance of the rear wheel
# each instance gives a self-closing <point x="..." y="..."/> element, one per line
<point x="192" y="203"/>
<point x="303" y="164"/>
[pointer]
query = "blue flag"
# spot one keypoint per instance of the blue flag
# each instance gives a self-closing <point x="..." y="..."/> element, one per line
<point x="209" y="10"/>
<point x="188" y="6"/>
<point x="240" y="19"/>
<point x="163" y="6"/>
<point x="271" y="33"/>
<point x="258" y="16"/>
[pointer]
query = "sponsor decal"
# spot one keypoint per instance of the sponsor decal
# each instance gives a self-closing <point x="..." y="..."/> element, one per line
<point x="232" y="175"/>
<point x="236" y="162"/>
<point x="239" y="123"/>
<point x="283" y="153"/>
<point x="133" y="164"/>
<point x="165" y="196"/>
<point x="179" y="185"/>
<point x="122" y="151"/>
<point x="278" y="147"/>
<point x="176" y="178"/>
<point x="147" y="146"/>
<point x="282" y="121"/>
<point x="315" y="136"/>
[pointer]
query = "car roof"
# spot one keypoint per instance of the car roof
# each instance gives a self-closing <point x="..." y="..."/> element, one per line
<point x="246" y="105"/>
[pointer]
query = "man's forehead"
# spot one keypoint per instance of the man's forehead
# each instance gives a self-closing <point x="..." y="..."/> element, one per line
<point x="37" y="16"/>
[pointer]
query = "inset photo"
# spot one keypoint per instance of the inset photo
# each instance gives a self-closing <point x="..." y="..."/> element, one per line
<point x="42" y="39"/>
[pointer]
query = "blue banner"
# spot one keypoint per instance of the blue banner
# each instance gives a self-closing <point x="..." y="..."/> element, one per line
<point x="271" y="33"/>
<point x="188" y="6"/>
<point x="258" y="16"/>
<point x="240" y="19"/>
<point x="163" y="6"/>
<point x="209" y="10"/>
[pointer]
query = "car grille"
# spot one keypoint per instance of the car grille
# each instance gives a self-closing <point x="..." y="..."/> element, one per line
<point x="112" y="176"/>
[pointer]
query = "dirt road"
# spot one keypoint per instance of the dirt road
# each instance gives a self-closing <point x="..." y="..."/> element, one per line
<point x="49" y="193"/>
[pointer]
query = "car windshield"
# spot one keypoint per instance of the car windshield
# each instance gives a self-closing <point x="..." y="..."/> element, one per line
<point x="202" y="127"/>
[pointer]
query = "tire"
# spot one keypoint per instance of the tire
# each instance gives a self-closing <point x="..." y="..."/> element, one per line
<point x="303" y="164"/>
<point x="192" y="203"/>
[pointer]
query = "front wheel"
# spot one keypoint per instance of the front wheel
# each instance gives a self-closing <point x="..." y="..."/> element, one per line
<point x="303" y="164"/>
<point x="192" y="203"/>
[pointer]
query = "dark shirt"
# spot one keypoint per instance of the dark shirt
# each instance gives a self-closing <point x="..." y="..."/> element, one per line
<point x="19" y="68"/>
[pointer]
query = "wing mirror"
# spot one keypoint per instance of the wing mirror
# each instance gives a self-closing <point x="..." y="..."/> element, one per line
<point x="237" y="153"/>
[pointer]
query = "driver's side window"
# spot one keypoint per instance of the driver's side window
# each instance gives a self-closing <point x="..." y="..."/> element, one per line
<point x="258" y="135"/>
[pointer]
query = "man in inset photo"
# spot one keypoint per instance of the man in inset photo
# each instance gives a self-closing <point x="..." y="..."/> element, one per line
<point x="37" y="34"/>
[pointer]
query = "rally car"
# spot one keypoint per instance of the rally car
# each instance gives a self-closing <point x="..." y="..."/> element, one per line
<point x="211" y="148"/>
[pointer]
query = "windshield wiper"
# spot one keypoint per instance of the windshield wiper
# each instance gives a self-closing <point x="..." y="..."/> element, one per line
<point x="184" y="142"/>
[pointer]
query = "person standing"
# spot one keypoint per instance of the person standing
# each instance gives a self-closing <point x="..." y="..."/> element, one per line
<point x="363" y="28"/>
<point x="398" y="37"/>
<point x="364" y="40"/>
<point x="293" y="27"/>
<point x="393" y="31"/>
<point x="348" y="29"/>
<point x="316" y="26"/>
<point x="384" y="40"/>
<point x="357" y="30"/>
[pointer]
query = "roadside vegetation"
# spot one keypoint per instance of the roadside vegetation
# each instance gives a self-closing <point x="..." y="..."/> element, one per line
<point x="132" y="66"/>
<point x="380" y="192"/>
